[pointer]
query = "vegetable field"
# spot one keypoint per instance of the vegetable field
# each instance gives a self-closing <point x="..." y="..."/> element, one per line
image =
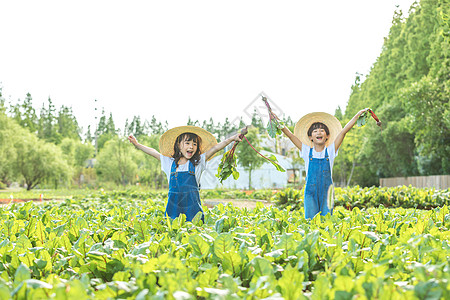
<point x="122" y="248"/>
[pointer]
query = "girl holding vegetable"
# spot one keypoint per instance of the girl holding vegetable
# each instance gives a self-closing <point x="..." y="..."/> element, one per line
<point x="318" y="136"/>
<point x="183" y="154"/>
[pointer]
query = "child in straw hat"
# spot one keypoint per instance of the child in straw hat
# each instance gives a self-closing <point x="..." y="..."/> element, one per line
<point x="183" y="154"/>
<point x="318" y="136"/>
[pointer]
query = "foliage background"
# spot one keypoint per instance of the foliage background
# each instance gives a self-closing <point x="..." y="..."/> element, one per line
<point x="408" y="87"/>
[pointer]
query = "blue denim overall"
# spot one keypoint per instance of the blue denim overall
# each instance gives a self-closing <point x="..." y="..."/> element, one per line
<point x="318" y="180"/>
<point x="184" y="197"/>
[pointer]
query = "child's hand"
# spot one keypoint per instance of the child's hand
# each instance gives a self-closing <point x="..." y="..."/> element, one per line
<point x="274" y="115"/>
<point x="236" y="138"/>
<point x="133" y="140"/>
<point x="362" y="111"/>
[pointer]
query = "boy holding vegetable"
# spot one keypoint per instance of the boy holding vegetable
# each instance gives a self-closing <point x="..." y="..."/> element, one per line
<point x="318" y="136"/>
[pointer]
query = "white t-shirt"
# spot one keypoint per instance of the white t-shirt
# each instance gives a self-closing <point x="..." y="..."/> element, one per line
<point x="166" y="166"/>
<point x="305" y="155"/>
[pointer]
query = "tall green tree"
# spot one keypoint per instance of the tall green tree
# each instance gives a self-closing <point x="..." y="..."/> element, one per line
<point x="67" y="124"/>
<point x="106" y="130"/>
<point x="191" y="122"/>
<point x="25" y="114"/>
<point x="137" y="127"/>
<point x="47" y="128"/>
<point x="247" y="157"/>
<point x="157" y="127"/>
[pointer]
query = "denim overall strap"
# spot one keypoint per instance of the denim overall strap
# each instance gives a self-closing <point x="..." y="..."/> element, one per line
<point x="318" y="180"/>
<point x="184" y="197"/>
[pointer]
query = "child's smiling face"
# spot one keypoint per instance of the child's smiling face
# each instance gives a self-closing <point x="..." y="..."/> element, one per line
<point x="319" y="136"/>
<point x="188" y="148"/>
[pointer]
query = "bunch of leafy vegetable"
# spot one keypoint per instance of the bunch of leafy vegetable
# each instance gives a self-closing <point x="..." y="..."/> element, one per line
<point x="228" y="164"/>
<point x="274" y="126"/>
<point x="362" y="120"/>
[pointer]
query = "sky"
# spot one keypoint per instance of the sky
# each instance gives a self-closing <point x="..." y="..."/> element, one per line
<point x="197" y="59"/>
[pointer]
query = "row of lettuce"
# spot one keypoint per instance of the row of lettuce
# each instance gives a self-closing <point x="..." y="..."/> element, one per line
<point x="105" y="247"/>
<point x="350" y="197"/>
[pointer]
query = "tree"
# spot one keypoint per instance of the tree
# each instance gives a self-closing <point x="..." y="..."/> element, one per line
<point x="190" y="122"/>
<point x="225" y="130"/>
<point x="156" y="127"/>
<point x="408" y="87"/>
<point x="88" y="138"/>
<point x="39" y="162"/>
<point x="136" y="127"/>
<point x="47" y="128"/>
<point x="257" y="122"/>
<point x="116" y="162"/>
<point x="247" y="157"/>
<point x="67" y="125"/>
<point x="106" y="130"/>
<point x="8" y="134"/>
<point x="297" y="161"/>
<point x="75" y="152"/>
<point x="25" y="114"/>
<point x="432" y="141"/>
<point x="2" y="100"/>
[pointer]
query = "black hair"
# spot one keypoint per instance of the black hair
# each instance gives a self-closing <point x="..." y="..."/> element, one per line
<point x="188" y="136"/>
<point x="318" y="125"/>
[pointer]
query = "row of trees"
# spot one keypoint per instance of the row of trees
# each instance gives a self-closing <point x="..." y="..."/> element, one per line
<point x="48" y="149"/>
<point x="408" y="87"/>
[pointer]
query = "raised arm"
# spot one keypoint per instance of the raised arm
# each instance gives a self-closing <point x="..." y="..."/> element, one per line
<point x="350" y="124"/>
<point x="145" y="149"/>
<point x="294" y="139"/>
<point x="222" y="145"/>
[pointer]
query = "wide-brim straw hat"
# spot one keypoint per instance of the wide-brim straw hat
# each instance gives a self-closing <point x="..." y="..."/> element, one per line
<point x="302" y="126"/>
<point x="167" y="140"/>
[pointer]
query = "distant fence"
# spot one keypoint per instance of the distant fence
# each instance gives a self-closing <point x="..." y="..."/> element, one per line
<point x="441" y="182"/>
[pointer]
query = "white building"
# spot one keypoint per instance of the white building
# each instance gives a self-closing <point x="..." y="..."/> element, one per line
<point x="265" y="177"/>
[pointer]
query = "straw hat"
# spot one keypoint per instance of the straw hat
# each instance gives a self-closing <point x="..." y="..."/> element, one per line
<point x="169" y="137"/>
<point x="302" y="126"/>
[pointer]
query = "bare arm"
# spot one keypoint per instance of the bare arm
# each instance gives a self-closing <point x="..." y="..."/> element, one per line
<point x="221" y="145"/>
<point x="145" y="149"/>
<point x="294" y="139"/>
<point x="350" y="124"/>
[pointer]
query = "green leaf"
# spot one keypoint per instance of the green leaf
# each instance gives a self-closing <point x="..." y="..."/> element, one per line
<point x="222" y="244"/>
<point x="273" y="160"/>
<point x="4" y="291"/>
<point x="23" y="243"/>
<point x="262" y="267"/>
<point x="22" y="274"/>
<point x="362" y="119"/>
<point x="227" y="166"/>
<point x="121" y="276"/>
<point x="37" y="284"/>
<point x="232" y="261"/>
<point x="271" y="129"/>
<point x="199" y="245"/>
<point x="291" y="283"/>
